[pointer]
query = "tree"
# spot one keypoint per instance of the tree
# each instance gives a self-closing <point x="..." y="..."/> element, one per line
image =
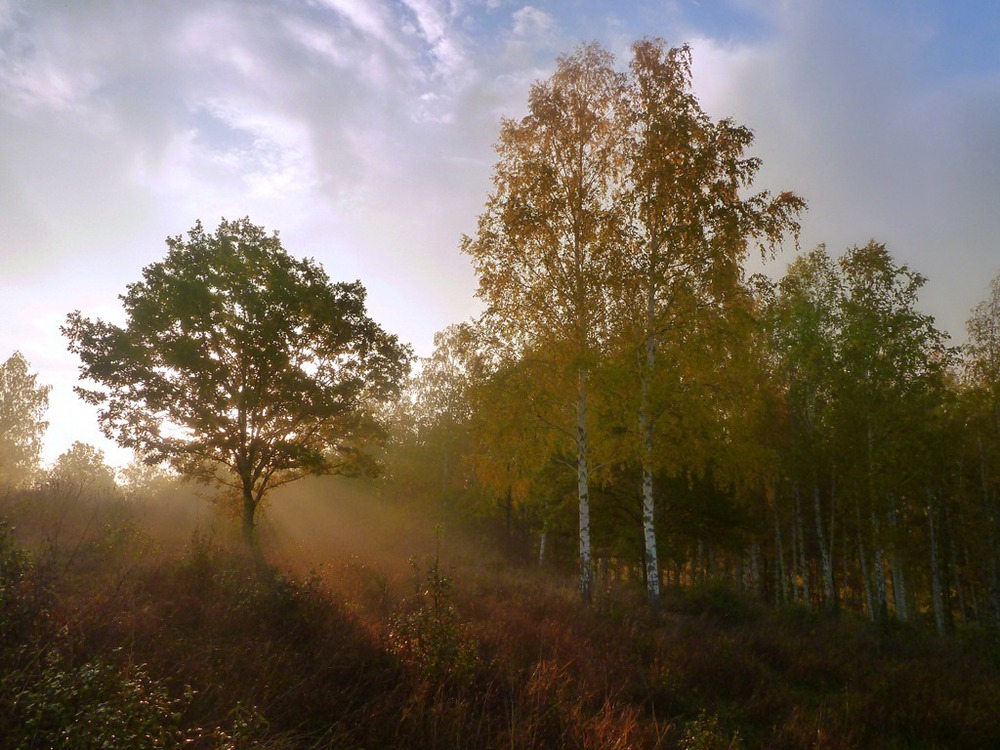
<point x="890" y="357"/>
<point x="82" y="470"/>
<point x="544" y="245"/>
<point x="804" y="320"/>
<point x="240" y="365"/>
<point x="22" y="405"/>
<point x="689" y="225"/>
<point x="982" y="392"/>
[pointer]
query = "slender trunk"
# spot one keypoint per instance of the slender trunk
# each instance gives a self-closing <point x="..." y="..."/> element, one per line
<point x="936" y="590"/>
<point x="652" y="567"/>
<point x="898" y="576"/>
<point x="755" y="568"/>
<point x="583" y="490"/>
<point x="954" y="565"/>
<point x="879" y="611"/>
<point x="833" y="537"/>
<point x="850" y="590"/>
<point x="542" y="539"/>
<point x="881" y="603"/>
<point x="866" y="579"/>
<point x="991" y="537"/>
<point x="825" y="551"/>
<point x="801" y="563"/>
<point x="780" y="591"/>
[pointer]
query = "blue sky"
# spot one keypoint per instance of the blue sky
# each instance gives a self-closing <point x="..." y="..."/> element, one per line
<point x="362" y="130"/>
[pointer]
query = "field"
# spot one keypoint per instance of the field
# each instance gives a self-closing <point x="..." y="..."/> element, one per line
<point x="140" y="624"/>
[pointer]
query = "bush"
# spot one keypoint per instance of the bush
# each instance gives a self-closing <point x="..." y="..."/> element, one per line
<point x="428" y="634"/>
<point x="718" y="599"/>
<point x="24" y="594"/>
<point x="95" y="705"/>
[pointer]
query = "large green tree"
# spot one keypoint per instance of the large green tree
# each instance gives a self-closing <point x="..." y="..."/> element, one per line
<point x="23" y="403"/>
<point x="240" y="365"/>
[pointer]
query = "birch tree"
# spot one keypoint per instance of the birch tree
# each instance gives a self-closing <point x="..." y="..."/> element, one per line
<point x="889" y="355"/>
<point x="23" y="403"/>
<point x="982" y="386"/>
<point x="805" y="323"/>
<point x="689" y="225"/>
<point x="546" y="241"/>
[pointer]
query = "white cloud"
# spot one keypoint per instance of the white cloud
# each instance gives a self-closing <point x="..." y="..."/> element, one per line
<point x="363" y="131"/>
<point x="530" y="21"/>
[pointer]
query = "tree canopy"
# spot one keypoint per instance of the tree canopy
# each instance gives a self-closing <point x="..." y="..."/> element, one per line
<point x="23" y="403"/>
<point x="240" y="365"/>
<point x="618" y="225"/>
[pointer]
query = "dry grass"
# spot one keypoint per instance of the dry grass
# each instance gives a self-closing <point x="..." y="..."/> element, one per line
<point x="345" y="647"/>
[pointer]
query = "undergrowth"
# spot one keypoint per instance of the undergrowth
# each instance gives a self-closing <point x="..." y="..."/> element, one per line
<point x="115" y="643"/>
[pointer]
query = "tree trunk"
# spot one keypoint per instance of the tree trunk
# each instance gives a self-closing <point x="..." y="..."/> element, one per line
<point x="991" y="537"/>
<point x="936" y="590"/>
<point x="652" y="567"/>
<point x="542" y="539"/>
<point x="801" y="562"/>
<point x="898" y="576"/>
<point x="583" y="490"/>
<point x="780" y="590"/>
<point x="953" y="563"/>
<point x="825" y="551"/>
<point x="250" y="537"/>
<point x="866" y="579"/>
<point x="881" y="604"/>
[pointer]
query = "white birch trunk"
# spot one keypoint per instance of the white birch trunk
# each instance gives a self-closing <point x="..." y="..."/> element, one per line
<point x="648" y="509"/>
<point x="866" y="579"/>
<point x="825" y="550"/>
<point x="801" y="562"/>
<point x="881" y="604"/>
<point x="780" y="589"/>
<point x="583" y="490"/>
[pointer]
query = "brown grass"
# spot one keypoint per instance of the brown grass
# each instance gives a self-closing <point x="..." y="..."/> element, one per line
<point x="347" y="644"/>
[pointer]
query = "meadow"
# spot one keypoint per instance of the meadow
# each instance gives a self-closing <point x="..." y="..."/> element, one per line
<point x="141" y="623"/>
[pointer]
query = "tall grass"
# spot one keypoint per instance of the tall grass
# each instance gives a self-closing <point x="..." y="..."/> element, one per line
<point x="117" y="635"/>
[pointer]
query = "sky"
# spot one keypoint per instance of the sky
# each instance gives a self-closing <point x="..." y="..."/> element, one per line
<point x="363" y="131"/>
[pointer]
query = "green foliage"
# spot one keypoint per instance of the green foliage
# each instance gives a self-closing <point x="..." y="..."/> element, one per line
<point x="24" y="592"/>
<point x="22" y="405"/>
<point x="705" y="733"/>
<point x="428" y="634"/>
<point x="81" y="470"/>
<point x="96" y="705"/>
<point x="719" y="599"/>
<point x="240" y="365"/>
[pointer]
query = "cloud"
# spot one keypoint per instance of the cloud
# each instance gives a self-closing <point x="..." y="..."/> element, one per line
<point x="530" y="21"/>
<point x="362" y="130"/>
<point x="848" y="113"/>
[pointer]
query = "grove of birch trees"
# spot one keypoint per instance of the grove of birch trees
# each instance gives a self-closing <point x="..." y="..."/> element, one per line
<point x="637" y="405"/>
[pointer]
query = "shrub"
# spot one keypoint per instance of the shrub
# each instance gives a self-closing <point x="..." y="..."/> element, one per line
<point x="95" y="705"/>
<point x="704" y="733"/>
<point x="428" y="633"/>
<point x="24" y="593"/>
